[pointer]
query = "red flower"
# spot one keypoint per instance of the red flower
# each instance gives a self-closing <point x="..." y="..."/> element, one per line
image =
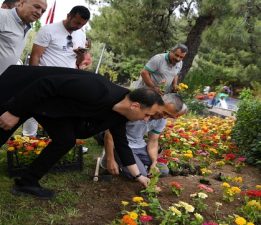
<point x="252" y="193"/>
<point x="230" y="156"/>
<point x="162" y="160"/>
<point x="146" y="218"/>
<point x="176" y="184"/>
<point x="166" y="153"/>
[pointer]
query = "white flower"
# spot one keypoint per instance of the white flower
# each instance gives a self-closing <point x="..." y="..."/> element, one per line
<point x="202" y="195"/>
<point x="193" y="195"/>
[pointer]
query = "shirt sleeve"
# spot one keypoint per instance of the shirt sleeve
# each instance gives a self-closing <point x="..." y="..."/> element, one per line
<point x="121" y="144"/>
<point x="153" y="64"/>
<point x="43" y="37"/>
<point x="158" y="126"/>
<point x="78" y="89"/>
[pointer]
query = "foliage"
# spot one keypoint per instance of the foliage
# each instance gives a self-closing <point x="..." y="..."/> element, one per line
<point x="247" y="130"/>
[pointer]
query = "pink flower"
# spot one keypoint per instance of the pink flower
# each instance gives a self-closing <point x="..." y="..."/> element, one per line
<point x="146" y="218"/>
<point x="205" y="188"/>
<point x="241" y="159"/>
<point x="202" y="152"/>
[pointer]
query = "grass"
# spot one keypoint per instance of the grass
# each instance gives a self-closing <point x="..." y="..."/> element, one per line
<point x="20" y="210"/>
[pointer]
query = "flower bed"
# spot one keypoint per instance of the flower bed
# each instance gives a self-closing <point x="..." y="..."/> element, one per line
<point x="23" y="150"/>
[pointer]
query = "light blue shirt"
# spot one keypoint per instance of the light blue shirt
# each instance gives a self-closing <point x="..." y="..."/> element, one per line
<point x="136" y="130"/>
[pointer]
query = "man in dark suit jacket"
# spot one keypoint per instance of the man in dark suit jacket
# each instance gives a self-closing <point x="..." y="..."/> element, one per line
<point x="69" y="104"/>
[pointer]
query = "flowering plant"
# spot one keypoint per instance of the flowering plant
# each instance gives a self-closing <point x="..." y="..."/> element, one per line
<point x="198" y="200"/>
<point x="176" y="188"/>
<point x="251" y="210"/>
<point x="137" y="214"/>
<point x="27" y="147"/>
<point x="229" y="192"/>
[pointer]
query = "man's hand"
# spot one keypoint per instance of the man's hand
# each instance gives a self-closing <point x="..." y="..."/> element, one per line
<point x="113" y="167"/>
<point x="144" y="180"/>
<point x="157" y="89"/>
<point x="8" y="121"/>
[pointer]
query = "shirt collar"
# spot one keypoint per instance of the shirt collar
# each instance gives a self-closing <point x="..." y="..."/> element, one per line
<point x="18" y="20"/>
<point x="167" y="57"/>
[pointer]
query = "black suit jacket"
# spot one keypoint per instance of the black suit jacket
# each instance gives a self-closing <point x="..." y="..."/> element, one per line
<point x="66" y="93"/>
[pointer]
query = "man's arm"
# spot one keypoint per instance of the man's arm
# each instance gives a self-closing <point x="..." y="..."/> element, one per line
<point x="175" y="83"/>
<point x="152" y="148"/>
<point x="112" y="165"/>
<point x="36" y="54"/>
<point x="146" y="77"/>
<point x="125" y="153"/>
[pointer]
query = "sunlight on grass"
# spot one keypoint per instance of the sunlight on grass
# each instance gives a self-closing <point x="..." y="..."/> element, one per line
<point x="17" y="210"/>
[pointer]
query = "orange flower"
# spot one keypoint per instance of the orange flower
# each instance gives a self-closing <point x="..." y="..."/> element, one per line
<point x="127" y="220"/>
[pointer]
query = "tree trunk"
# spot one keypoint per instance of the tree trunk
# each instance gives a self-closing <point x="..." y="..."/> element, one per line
<point x="193" y="42"/>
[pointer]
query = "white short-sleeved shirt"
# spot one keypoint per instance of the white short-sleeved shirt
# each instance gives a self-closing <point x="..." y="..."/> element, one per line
<point x="161" y="69"/>
<point x="136" y="130"/>
<point x="13" y="35"/>
<point x="58" y="53"/>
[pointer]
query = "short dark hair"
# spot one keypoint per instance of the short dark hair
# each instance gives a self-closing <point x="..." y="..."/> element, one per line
<point x="182" y="47"/>
<point x="81" y="10"/>
<point x="147" y="97"/>
<point x="10" y="1"/>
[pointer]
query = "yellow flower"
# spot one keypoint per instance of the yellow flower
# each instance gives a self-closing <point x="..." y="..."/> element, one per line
<point x="198" y="217"/>
<point x="11" y="148"/>
<point x="175" y="211"/>
<point x="255" y="204"/>
<point x="220" y="163"/>
<point x="124" y="203"/>
<point x="144" y="204"/>
<point x="137" y="199"/>
<point x="235" y="190"/>
<point x="226" y="185"/>
<point x="240" y="221"/>
<point x="213" y="150"/>
<point x="238" y="179"/>
<point x="258" y="187"/>
<point x="133" y="215"/>
<point x="250" y="223"/>
<point x="187" y="155"/>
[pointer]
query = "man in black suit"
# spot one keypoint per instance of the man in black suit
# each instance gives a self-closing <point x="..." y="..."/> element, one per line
<point x="69" y="104"/>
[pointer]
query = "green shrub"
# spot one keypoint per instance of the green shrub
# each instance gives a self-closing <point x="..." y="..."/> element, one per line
<point x="247" y="129"/>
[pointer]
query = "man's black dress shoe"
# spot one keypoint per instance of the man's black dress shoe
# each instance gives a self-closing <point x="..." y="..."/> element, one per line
<point x="34" y="190"/>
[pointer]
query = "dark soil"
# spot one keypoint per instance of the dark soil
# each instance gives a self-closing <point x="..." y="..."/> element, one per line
<point x="101" y="201"/>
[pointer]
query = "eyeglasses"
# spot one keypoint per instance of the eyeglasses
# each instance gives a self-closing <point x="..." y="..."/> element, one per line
<point x="69" y="41"/>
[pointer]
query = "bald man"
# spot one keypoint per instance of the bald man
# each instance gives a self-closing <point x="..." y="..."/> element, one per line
<point x="14" y="27"/>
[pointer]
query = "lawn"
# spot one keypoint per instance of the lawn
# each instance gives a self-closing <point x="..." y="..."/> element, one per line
<point x="197" y="150"/>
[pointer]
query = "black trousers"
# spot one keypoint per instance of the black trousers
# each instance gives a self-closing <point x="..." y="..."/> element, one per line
<point x="62" y="133"/>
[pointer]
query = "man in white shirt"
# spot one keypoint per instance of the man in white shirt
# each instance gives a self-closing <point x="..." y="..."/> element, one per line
<point x="14" y="27"/>
<point x="59" y="44"/>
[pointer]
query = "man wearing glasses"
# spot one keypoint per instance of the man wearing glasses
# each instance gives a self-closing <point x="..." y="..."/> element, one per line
<point x="59" y="44"/>
<point x="161" y="71"/>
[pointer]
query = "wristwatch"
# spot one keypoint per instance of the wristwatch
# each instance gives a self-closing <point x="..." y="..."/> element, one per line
<point x="137" y="176"/>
